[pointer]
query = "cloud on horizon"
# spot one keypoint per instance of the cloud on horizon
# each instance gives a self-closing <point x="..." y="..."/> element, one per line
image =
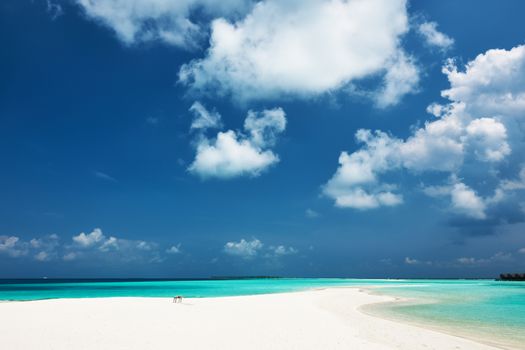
<point x="249" y="249"/>
<point x="41" y="249"/>
<point x="93" y="245"/>
<point x="96" y="243"/>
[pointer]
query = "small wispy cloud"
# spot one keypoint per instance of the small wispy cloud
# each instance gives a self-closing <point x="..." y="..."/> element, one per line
<point x="174" y="249"/>
<point x="411" y="261"/>
<point x="282" y="250"/>
<point x="42" y="256"/>
<point x="70" y="256"/>
<point x="311" y="214"/>
<point x="498" y="257"/>
<point x="54" y="9"/>
<point x="433" y="37"/>
<point x="104" y="176"/>
<point x="203" y="118"/>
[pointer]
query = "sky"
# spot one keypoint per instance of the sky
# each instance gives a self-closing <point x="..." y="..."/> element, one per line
<point x="196" y="138"/>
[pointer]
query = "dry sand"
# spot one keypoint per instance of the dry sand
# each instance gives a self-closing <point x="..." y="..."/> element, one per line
<point x="318" y="319"/>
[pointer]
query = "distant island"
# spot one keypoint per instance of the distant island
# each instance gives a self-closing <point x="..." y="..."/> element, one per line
<point x="512" y="277"/>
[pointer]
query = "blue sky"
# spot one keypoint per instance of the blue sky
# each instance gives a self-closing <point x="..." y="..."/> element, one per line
<point x="319" y="138"/>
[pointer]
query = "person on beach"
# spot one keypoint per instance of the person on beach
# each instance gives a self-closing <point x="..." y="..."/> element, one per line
<point x="177" y="299"/>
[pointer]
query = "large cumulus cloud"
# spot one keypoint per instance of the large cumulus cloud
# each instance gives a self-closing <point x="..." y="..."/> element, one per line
<point x="481" y="128"/>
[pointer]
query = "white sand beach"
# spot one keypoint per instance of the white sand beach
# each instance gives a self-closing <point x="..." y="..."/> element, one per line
<point x="317" y="319"/>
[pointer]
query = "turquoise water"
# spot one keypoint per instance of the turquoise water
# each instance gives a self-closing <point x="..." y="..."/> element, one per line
<point x="47" y="289"/>
<point x="487" y="310"/>
<point x="490" y="311"/>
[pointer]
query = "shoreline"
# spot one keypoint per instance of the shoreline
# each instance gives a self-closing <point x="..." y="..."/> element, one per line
<point x="313" y="319"/>
<point x="384" y="310"/>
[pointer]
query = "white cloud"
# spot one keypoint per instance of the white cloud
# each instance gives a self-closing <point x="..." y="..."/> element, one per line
<point x="243" y="248"/>
<point x="70" y="256"/>
<point x="46" y="247"/>
<point x="112" y="248"/>
<point x="310" y="213"/>
<point x="466" y="201"/>
<point x="264" y="127"/>
<point x="440" y="146"/>
<point x="496" y="258"/>
<point x="488" y="137"/>
<point x="143" y="245"/>
<point x="358" y="198"/>
<point x="12" y="246"/>
<point x="492" y="84"/>
<point x="411" y="261"/>
<point x="112" y="243"/>
<point x="250" y="249"/>
<point x="433" y="37"/>
<point x="281" y="250"/>
<point x="232" y="154"/>
<point x="522" y="251"/>
<point x="354" y="185"/>
<point x="481" y="126"/>
<point x="8" y="242"/>
<point x="401" y="78"/>
<point x="463" y="199"/>
<point x="204" y="119"/>
<point x="516" y="184"/>
<point x="437" y="110"/>
<point x="90" y="239"/>
<point x="467" y="261"/>
<point x="174" y="249"/>
<point x="35" y="243"/>
<point x="437" y="146"/>
<point x="168" y="21"/>
<point x="306" y="48"/>
<point x="42" y="249"/>
<point x="42" y="256"/>
<point x="437" y="191"/>
<point x="97" y="239"/>
<point x="94" y="245"/>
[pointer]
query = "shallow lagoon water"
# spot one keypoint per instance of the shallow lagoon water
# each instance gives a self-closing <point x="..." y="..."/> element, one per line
<point x="485" y="310"/>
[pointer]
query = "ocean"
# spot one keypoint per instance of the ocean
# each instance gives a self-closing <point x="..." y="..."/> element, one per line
<point x="485" y="310"/>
